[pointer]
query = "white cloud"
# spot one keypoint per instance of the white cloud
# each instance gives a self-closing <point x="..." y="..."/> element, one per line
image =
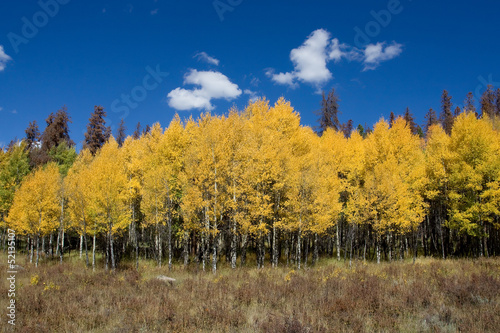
<point x="310" y="60"/>
<point x="203" y="56"/>
<point x="283" y="78"/>
<point x="213" y="85"/>
<point x="336" y="52"/>
<point x="4" y="58"/>
<point x="376" y="53"/>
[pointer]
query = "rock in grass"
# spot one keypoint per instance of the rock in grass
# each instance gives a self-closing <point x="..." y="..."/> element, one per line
<point x="166" y="279"/>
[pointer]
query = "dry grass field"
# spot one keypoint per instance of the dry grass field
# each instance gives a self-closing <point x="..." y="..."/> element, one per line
<point x="429" y="296"/>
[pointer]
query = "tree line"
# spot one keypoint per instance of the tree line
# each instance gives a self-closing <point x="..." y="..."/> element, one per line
<point x="256" y="183"/>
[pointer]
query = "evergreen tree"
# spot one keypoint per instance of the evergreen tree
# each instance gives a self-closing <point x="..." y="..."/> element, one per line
<point x="32" y="135"/>
<point x="420" y="133"/>
<point x="57" y="130"/>
<point x="457" y="111"/>
<point x="63" y="156"/>
<point x="446" y="117"/>
<point x="488" y="102"/>
<point x="361" y="130"/>
<point x="120" y="133"/>
<point x="347" y="128"/>
<point x="431" y="119"/>
<point x="392" y="118"/>
<point x="146" y="130"/>
<point x="469" y="103"/>
<point x="328" y="114"/>
<point x="368" y="130"/>
<point x="97" y="132"/>
<point x="137" y="132"/>
<point x="410" y="122"/>
<point x="498" y="102"/>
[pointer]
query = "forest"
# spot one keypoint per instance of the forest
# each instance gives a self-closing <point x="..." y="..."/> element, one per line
<point x="255" y="183"/>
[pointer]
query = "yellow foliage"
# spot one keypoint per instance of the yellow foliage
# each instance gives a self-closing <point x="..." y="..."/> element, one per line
<point x="36" y="207"/>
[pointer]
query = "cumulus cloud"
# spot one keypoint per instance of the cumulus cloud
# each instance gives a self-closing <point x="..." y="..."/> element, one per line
<point x="213" y="85"/>
<point x="203" y="56"/>
<point x="310" y="60"/>
<point x="283" y="78"/>
<point x="336" y="52"/>
<point x="374" y="54"/>
<point x="4" y="58"/>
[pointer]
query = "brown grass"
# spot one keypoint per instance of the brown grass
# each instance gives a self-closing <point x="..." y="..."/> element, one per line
<point x="430" y="296"/>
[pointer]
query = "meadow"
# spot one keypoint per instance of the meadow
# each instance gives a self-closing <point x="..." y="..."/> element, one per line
<point x="454" y="295"/>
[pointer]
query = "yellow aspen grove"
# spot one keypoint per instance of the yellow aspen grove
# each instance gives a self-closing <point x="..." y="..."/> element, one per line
<point x="438" y="159"/>
<point x="258" y="177"/>
<point x="14" y="166"/>
<point x="269" y="133"/>
<point x="207" y="163"/>
<point x="163" y="180"/>
<point x="172" y="148"/>
<point x="345" y="157"/>
<point x="153" y="189"/>
<point x="237" y="162"/>
<point x="36" y="207"/>
<point x="193" y="223"/>
<point x="290" y="144"/>
<point x="134" y="154"/>
<point x="474" y="170"/>
<point x="392" y="181"/>
<point x="257" y="181"/>
<point x="299" y="205"/>
<point x="78" y="190"/>
<point x="111" y="193"/>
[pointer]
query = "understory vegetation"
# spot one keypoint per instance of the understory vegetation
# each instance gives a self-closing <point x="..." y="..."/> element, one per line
<point x="455" y="295"/>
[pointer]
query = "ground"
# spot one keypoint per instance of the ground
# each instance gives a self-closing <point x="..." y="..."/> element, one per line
<point x="455" y="295"/>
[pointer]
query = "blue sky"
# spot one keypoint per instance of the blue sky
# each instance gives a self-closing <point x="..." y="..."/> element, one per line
<point x="147" y="60"/>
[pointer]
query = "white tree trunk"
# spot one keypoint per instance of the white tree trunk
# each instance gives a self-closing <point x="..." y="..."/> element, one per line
<point x="31" y="251"/>
<point x="81" y="245"/>
<point x="93" y="253"/>
<point x="169" y="240"/>
<point x="378" y="249"/>
<point x="37" y="254"/>
<point x="337" y="238"/>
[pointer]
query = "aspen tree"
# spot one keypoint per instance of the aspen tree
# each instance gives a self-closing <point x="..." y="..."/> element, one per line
<point x="14" y="166"/>
<point x="134" y="156"/>
<point x="393" y="181"/>
<point x="111" y="194"/>
<point x="35" y="209"/>
<point x="474" y="167"/>
<point x="79" y="194"/>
